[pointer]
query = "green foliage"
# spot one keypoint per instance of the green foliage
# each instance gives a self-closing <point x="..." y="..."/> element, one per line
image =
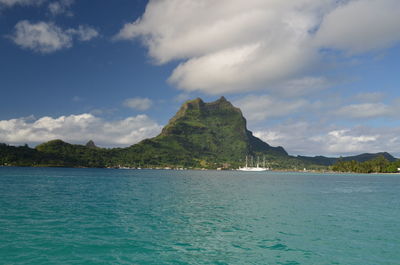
<point x="25" y="156"/>
<point x="75" y="155"/>
<point x="205" y="135"/>
<point x="329" y="161"/>
<point x="200" y="135"/>
<point x="379" y="164"/>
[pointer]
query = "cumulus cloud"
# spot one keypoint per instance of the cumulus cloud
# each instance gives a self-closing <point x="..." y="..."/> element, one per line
<point x="241" y="45"/>
<point x="361" y="26"/>
<point x="60" y="7"/>
<point x="182" y="97"/>
<point x="41" y="37"/>
<point x="138" y="103"/>
<point x="84" y="33"/>
<point x="306" y="138"/>
<point x="302" y="86"/>
<point x="235" y="46"/>
<point x="345" y="141"/>
<point x="46" y="37"/>
<point x="10" y="3"/>
<point x="258" y="108"/>
<point x="368" y="106"/>
<point x="365" y="110"/>
<point x="370" y="96"/>
<point x="294" y="136"/>
<point x="78" y="129"/>
<point x="55" y="8"/>
<point x="371" y="106"/>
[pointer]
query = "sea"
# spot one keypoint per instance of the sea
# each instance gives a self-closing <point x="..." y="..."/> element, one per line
<point x="111" y="216"/>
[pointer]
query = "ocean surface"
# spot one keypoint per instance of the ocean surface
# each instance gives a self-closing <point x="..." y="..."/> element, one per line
<point x="109" y="216"/>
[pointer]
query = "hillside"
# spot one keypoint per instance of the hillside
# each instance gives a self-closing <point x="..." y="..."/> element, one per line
<point x="200" y="135"/>
<point x="328" y="161"/>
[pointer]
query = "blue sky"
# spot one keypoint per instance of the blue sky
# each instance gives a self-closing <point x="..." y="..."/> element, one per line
<point x="316" y="77"/>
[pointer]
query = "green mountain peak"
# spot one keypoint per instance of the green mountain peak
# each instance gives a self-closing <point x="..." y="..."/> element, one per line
<point x="197" y="113"/>
<point x="200" y="135"/>
<point x="204" y="133"/>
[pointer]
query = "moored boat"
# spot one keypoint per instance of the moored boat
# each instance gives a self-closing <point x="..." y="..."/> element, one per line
<point x="254" y="169"/>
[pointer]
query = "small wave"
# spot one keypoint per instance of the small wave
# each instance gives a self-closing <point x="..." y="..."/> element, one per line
<point x="277" y="246"/>
<point x="353" y="190"/>
<point x="292" y="262"/>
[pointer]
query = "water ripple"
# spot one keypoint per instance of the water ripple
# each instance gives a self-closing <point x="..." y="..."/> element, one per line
<point x="94" y="216"/>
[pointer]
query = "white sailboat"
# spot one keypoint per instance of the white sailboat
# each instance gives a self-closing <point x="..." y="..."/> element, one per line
<point x="257" y="168"/>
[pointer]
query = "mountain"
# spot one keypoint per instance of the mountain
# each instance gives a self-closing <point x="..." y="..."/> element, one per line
<point x="215" y="128"/>
<point x="202" y="134"/>
<point x="90" y="144"/>
<point x="328" y="161"/>
<point x="74" y="154"/>
<point x="367" y="156"/>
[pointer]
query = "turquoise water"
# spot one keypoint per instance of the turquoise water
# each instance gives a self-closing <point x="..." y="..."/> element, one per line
<point x="105" y="216"/>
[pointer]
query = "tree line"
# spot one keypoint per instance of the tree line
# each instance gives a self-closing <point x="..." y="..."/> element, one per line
<point x="377" y="165"/>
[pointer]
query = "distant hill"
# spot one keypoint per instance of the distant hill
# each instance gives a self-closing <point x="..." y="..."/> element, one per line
<point x="91" y="144"/>
<point x="328" y="161"/>
<point x="74" y="154"/>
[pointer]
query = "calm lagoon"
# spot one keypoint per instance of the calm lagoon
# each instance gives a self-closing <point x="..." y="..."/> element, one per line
<point x="108" y="216"/>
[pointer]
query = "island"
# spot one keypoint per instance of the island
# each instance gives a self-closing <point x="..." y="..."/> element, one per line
<point x="201" y="135"/>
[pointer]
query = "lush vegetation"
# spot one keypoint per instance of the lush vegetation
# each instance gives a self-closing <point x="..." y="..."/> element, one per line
<point x="25" y="156"/>
<point x="329" y="161"/>
<point x="54" y="153"/>
<point x="200" y="135"/>
<point x="379" y="164"/>
<point x="150" y="153"/>
<point x="205" y="135"/>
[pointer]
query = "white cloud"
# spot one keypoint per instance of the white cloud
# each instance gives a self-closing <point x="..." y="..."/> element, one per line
<point x="239" y="69"/>
<point x="179" y="29"/>
<point x="258" y="108"/>
<point x="294" y="136"/>
<point x="365" y="110"/>
<point x="182" y="97"/>
<point x="84" y="33"/>
<point x="302" y="86"/>
<point x="10" y="3"/>
<point x="60" y="7"/>
<point x="138" y="103"/>
<point x="234" y="45"/>
<point x="79" y="129"/>
<point x="346" y="141"/>
<point x="370" y="96"/>
<point x="361" y="26"/>
<point x="41" y="37"/>
<point x="229" y="46"/>
<point x="46" y="37"/>
<point x="333" y="107"/>
<point x="305" y="138"/>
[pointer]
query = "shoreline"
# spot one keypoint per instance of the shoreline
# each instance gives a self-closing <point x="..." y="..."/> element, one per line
<point x="205" y="169"/>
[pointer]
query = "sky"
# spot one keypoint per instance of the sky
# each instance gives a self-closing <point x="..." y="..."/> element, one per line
<point x="318" y="77"/>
